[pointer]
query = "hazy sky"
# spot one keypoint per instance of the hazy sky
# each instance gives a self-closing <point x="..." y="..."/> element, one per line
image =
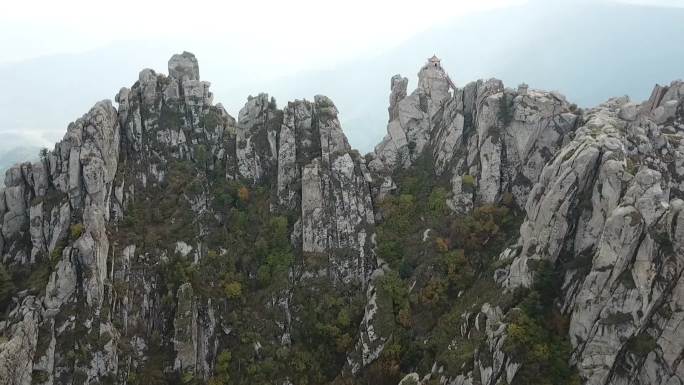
<point x="281" y="38"/>
<point x="265" y="29"/>
<point x="41" y="27"/>
<point x="60" y="57"/>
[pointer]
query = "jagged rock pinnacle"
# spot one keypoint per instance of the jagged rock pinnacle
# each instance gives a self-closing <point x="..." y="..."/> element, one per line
<point x="184" y="66"/>
<point x="166" y="239"/>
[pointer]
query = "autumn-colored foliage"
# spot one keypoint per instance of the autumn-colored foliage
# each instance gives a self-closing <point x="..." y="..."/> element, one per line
<point x="243" y="194"/>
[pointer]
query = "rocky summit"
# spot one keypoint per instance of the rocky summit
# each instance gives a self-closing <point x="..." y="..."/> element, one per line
<point x="495" y="236"/>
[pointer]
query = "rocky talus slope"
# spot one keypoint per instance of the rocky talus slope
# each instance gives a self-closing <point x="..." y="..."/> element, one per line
<point x="494" y="236"/>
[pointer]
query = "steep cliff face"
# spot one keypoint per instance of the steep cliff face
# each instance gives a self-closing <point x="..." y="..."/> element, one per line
<point x="95" y="232"/>
<point x="495" y="236"/>
<point x="488" y="140"/>
<point x="609" y="208"/>
<point x="315" y="174"/>
<point x="601" y="192"/>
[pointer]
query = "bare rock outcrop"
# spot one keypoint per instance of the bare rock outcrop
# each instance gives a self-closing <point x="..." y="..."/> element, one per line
<point x="162" y="236"/>
<point x="609" y="205"/>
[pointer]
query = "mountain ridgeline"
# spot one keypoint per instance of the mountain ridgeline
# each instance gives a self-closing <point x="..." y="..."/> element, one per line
<point x="494" y="236"/>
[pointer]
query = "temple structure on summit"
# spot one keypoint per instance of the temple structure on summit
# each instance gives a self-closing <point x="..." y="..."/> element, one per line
<point x="436" y="62"/>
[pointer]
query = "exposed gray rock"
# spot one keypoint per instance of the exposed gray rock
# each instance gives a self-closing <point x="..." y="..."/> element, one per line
<point x="334" y="184"/>
<point x="514" y="136"/>
<point x="61" y="285"/>
<point x="593" y="201"/>
<point x="15" y="218"/>
<point x="398" y="86"/>
<point x="372" y="338"/>
<point x="16" y="353"/>
<point x="500" y="139"/>
<point x="185" y="330"/>
<point x="184" y="67"/>
<point x="257" y="127"/>
<point x="408" y="130"/>
<point x="410" y="379"/>
<point x="602" y="192"/>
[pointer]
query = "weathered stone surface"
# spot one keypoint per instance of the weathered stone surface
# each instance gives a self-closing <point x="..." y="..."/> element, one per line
<point x="398" y="87"/>
<point x="61" y="285"/>
<point x="601" y="189"/>
<point x="603" y="202"/>
<point x="408" y="130"/>
<point x="498" y="138"/>
<point x="184" y="67"/>
<point x="372" y="338"/>
<point x="16" y="353"/>
<point x="410" y="379"/>
<point x="185" y="330"/>
<point x="15" y="218"/>
<point x="336" y="206"/>
<point x="257" y="126"/>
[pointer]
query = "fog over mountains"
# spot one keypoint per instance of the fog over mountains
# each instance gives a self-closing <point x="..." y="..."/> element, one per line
<point x="588" y="51"/>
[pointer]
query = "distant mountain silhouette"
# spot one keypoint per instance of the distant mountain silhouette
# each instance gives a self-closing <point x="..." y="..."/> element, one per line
<point x="544" y="44"/>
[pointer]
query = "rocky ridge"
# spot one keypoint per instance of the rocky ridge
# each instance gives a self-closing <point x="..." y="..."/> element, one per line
<point x="600" y="191"/>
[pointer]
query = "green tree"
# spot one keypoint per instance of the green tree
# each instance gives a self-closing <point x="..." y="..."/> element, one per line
<point x="233" y="290"/>
<point x="400" y="223"/>
<point x="43" y="154"/>
<point x="537" y="334"/>
<point x="437" y="202"/>
<point x="458" y="270"/>
<point x="222" y="372"/>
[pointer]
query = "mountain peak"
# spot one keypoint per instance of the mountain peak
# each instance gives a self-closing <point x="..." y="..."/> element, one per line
<point x="184" y="66"/>
<point x="168" y="241"/>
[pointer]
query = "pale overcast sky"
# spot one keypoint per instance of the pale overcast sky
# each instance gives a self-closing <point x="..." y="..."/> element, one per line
<point x="30" y="29"/>
<point x="265" y="29"/>
<point x="60" y="57"/>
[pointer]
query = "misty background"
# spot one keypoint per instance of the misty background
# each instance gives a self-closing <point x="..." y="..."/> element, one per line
<point x="588" y="50"/>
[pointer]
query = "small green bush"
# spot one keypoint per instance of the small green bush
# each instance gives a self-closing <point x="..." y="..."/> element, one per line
<point x="458" y="269"/>
<point x="76" y="230"/>
<point x="641" y="344"/>
<point x="233" y="290"/>
<point x="437" y="201"/>
<point x="467" y="182"/>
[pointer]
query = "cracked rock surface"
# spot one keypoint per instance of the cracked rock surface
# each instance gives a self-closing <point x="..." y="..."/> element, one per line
<point x="120" y="244"/>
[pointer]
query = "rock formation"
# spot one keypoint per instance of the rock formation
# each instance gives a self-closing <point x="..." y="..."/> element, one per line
<point x="165" y="240"/>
